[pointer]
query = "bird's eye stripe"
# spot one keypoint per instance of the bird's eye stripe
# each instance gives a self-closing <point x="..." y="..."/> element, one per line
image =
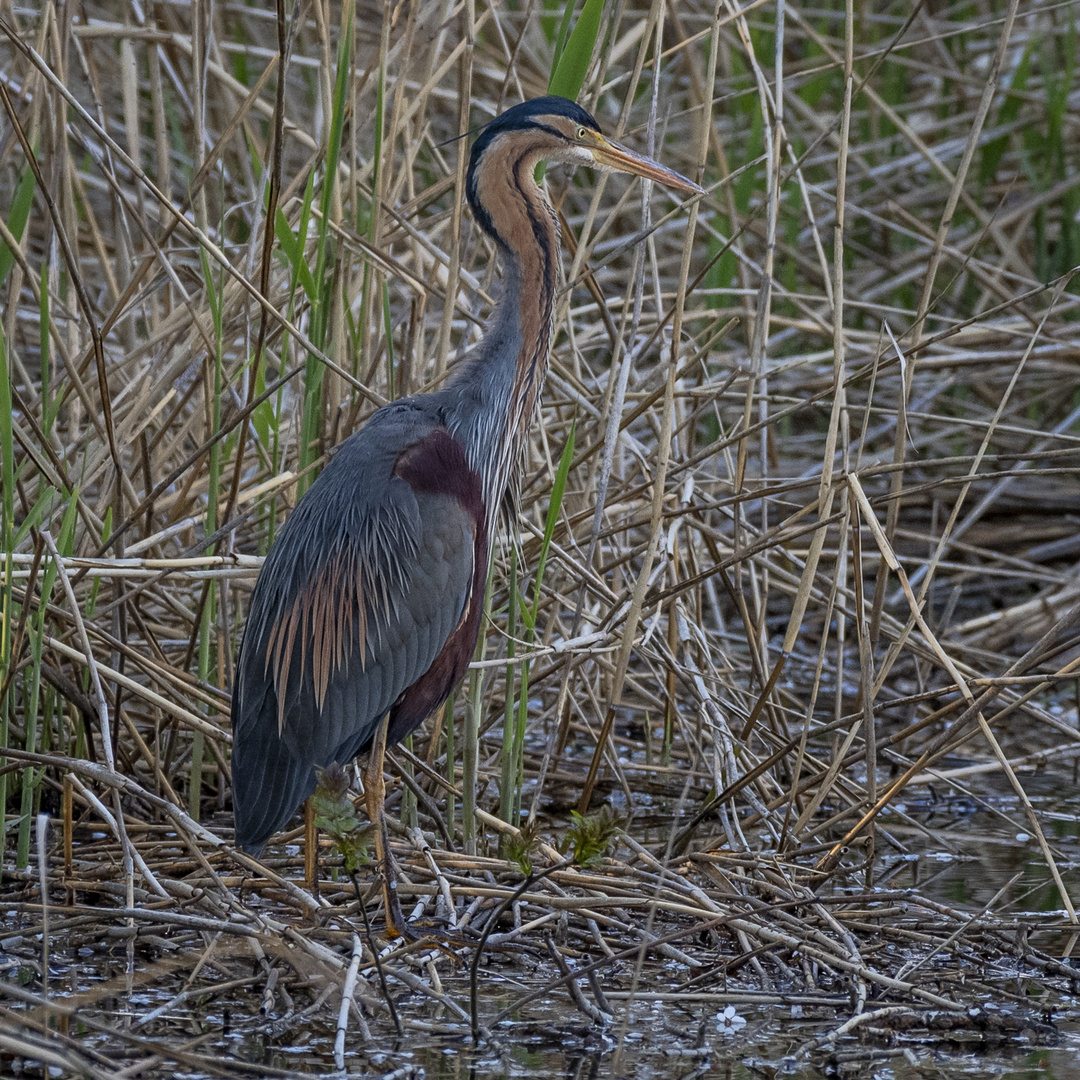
<point x="550" y="130"/>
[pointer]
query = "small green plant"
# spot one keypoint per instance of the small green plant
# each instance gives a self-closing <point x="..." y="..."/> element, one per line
<point x="336" y="816"/>
<point x="588" y="839"/>
<point x="518" y="848"/>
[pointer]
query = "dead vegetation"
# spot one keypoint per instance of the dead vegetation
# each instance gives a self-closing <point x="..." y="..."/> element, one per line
<point x="810" y="586"/>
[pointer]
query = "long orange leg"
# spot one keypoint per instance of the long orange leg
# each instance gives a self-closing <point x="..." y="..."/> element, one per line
<point x="311" y="850"/>
<point x="375" y="796"/>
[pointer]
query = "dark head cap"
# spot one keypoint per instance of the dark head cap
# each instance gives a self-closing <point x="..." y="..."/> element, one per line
<point x="529" y="115"/>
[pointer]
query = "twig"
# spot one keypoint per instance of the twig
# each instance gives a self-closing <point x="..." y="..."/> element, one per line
<point x="474" y="967"/>
<point x="391" y="1008"/>
<point x="347" y="992"/>
<point x="597" y="1016"/>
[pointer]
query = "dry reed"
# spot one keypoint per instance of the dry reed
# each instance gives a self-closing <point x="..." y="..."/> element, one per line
<point x="814" y="559"/>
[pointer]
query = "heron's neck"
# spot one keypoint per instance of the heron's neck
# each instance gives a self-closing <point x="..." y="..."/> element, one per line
<point x="494" y="399"/>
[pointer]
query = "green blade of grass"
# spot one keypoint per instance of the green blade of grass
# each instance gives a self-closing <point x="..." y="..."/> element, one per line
<point x="560" y="36"/>
<point x="529" y="616"/>
<point x="571" y="65"/>
<point x="31" y="777"/>
<point x="995" y="148"/>
<point x="470" y="735"/>
<point x="20" y="212"/>
<point x="35" y="515"/>
<point x="7" y="533"/>
<point x="293" y="246"/>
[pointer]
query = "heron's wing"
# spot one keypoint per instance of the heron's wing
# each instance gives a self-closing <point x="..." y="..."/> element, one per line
<point x="368" y="580"/>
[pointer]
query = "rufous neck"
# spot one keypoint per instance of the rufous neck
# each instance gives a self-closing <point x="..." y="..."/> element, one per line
<point x="499" y="390"/>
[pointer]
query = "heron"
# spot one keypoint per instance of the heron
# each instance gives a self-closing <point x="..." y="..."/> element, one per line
<point x="368" y="607"/>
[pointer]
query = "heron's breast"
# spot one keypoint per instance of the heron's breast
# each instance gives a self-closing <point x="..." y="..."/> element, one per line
<point x="437" y="465"/>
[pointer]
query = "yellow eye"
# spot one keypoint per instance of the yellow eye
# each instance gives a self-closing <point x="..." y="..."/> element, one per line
<point x="582" y="133"/>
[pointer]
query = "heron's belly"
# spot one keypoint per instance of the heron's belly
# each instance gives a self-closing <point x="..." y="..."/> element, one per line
<point x="433" y="687"/>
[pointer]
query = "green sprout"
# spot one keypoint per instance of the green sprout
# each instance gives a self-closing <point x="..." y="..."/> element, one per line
<point x="336" y="816"/>
<point x="517" y="848"/>
<point x="588" y="839"/>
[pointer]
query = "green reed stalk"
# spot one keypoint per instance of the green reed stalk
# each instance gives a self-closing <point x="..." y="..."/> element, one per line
<point x="31" y="778"/>
<point x="509" y="755"/>
<point x="391" y="388"/>
<point x="48" y="413"/>
<point x="530" y="616"/>
<point x="215" y="297"/>
<point x="470" y="735"/>
<point x="408" y="796"/>
<point x="322" y="301"/>
<point x="95" y="582"/>
<point x="292" y="246"/>
<point x="517" y="766"/>
<point x="7" y="533"/>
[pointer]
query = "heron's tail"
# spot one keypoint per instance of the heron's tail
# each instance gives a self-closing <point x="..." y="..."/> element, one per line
<point x="269" y="785"/>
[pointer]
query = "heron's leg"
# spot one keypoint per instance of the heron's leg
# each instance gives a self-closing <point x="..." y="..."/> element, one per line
<point x="375" y="795"/>
<point x="311" y="850"/>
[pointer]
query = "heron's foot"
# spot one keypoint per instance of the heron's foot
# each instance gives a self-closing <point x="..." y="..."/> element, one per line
<point x="397" y="926"/>
<point x="426" y="933"/>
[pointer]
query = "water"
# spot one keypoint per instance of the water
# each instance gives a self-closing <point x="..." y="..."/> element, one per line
<point x="966" y="853"/>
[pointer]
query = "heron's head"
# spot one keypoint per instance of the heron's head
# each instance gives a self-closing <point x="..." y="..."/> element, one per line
<point x="558" y="130"/>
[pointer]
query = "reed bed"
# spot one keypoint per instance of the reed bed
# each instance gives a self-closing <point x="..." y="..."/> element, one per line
<point x="794" y="559"/>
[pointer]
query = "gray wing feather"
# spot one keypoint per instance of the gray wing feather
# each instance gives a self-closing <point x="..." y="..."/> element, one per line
<point x="357" y="597"/>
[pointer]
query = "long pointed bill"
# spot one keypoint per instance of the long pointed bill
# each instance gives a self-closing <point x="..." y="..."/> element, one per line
<point x="613" y="156"/>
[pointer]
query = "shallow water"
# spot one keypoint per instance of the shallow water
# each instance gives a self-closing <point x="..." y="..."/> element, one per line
<point x="659" y="1038"/>
<point x="966" y="853"/>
